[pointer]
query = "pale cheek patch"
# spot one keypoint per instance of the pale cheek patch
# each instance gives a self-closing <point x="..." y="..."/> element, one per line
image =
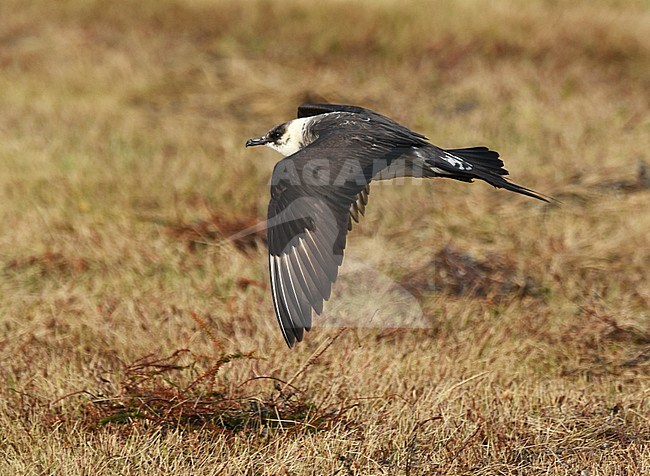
<point x="285" y="149"/>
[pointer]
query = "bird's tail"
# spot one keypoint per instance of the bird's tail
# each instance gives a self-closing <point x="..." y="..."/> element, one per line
<point x="487" y="166"/>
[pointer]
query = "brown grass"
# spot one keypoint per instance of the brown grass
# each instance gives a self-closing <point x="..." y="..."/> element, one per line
<point x="137" y="339"/>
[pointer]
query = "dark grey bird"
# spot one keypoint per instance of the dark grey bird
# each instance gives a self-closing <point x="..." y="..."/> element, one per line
<point x="332" y="153"/>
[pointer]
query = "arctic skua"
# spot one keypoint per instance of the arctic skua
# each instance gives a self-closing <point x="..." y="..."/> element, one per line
<point x="332" y="154"/>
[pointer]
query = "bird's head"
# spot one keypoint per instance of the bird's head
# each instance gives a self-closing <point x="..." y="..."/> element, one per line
<point x="287" y="138"/>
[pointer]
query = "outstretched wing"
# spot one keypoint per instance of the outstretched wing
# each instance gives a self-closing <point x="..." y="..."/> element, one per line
<point x="309" y="109"/>
<point x="309" y="217"/>
<point x="306" y="239"/>
<point x="314" y="109"/>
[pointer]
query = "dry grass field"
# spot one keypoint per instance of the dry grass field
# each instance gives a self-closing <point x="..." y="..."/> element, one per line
<point x="136" y="339"/>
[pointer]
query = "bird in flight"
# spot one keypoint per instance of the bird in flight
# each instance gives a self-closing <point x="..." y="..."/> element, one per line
<point x="332" y="153"/>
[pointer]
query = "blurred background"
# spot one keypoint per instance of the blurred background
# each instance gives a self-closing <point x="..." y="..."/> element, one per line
<point x="122" y="170"/>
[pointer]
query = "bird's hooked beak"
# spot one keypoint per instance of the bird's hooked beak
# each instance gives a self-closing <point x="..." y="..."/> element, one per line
<point x="257" y="141"/>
